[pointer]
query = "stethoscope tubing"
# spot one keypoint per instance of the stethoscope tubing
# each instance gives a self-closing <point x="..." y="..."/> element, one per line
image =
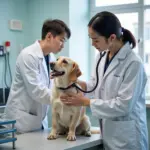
<point x="102" y="54"/>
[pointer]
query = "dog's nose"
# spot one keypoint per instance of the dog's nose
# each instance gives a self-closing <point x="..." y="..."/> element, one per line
<point x="52" y="64"/>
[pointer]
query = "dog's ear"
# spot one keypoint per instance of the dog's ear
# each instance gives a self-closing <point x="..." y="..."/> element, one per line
<point x="75" y="72"/>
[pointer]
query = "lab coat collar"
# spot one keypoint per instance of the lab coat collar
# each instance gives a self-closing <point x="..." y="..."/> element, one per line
<point x="39" y="51"/>
<point x="121" y="55"/>
<point x="40" y="54"/>
<point x="124" y="51"/>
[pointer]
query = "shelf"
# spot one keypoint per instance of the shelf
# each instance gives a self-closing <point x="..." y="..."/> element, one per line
<point x="3" y="55"/>
<point x="4" y="131"/>
<point x="8" y="122"/>
<point x="8" y="131"/>
<point x="8" y="140"/>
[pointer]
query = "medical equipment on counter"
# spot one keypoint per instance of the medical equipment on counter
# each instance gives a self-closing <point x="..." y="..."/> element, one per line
<point x="4" y="91"/>
<point x="1" y="50"/>
<point x="4" y="131"/>
<point x="7" y="63"/>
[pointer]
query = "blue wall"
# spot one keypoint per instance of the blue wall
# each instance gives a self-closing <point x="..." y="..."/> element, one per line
<point x="12" y="9"/>
<point x="77" y="47"/>
<point x="32" y="13"/>
<point x="79" y="42"/>
<point x="40" y="10"/>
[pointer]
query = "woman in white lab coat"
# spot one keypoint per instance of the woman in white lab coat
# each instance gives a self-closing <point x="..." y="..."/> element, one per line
<point x="119" y="99"/>
<point x="30" y="91"/>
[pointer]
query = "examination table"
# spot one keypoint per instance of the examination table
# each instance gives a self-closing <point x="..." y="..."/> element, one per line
<point x="38" y="141"/>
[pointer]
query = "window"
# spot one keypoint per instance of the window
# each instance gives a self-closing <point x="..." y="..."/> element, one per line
<point x="113" y="2"/>
<point x="147" y="48"/>
<point x="132" y="25"/>
<point x="147" y="31"/>
<point x="147" y="2"/>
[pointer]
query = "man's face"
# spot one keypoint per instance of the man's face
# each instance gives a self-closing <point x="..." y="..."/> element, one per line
<point x="56" y="43"/>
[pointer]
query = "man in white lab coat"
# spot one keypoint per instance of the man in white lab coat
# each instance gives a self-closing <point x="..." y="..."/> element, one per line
<point x="30" y="90"/>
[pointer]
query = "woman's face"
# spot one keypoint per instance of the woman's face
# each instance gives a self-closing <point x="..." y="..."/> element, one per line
<point x="99" y="42"/>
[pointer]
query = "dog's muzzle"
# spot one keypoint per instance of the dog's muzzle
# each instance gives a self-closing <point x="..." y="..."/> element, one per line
<point x="52" y="65"/>
<point x="54" y="72"/>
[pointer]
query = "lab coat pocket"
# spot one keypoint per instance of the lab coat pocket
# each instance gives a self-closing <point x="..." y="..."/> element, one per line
<point x="27" y="122"/>
<point x="123" y="135"/>
<point x="117" y="78"/>
<point x="120" y="135"/>
<point x="116" y="81"/>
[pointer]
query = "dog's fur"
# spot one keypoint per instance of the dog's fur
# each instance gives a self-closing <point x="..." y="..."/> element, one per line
<point x="65" y="118"/>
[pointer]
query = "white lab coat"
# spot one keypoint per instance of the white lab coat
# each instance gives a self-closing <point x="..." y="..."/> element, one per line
<point x="119" y="101"/>
<point x="30" y="90"/>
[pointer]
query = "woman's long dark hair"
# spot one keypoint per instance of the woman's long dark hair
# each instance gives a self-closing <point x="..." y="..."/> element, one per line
<point x="106" y="23"/>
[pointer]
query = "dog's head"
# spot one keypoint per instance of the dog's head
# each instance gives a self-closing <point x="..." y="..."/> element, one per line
<point x="65" y="67"/>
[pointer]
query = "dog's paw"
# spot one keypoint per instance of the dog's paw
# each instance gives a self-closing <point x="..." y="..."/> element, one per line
<point x="52" y="136"/>
<point x="88" y="133"/>
<point x="71" y="137"/>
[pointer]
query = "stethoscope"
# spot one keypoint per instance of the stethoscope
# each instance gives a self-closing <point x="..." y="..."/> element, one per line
<point x="102" y="54"/>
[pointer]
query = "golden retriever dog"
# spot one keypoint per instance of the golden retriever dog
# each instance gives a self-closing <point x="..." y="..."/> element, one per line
<point x="70" y="120"/>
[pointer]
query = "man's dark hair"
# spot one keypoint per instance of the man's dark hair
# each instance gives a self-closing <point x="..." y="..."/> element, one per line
<point x="56" y="27"/>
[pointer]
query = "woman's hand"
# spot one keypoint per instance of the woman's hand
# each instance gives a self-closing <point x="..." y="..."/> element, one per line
<point x="75" y="99"/>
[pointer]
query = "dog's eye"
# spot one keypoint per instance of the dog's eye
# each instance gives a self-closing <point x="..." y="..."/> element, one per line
<point x="57" y="59"/>
<point x="64" y="61"/>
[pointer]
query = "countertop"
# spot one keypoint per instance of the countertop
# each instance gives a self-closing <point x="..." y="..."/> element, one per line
<point x="38" y="141"/>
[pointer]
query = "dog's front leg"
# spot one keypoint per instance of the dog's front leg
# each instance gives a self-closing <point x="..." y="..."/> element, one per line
<point x="72" y="128"/>
<point x="53" y="134"/>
